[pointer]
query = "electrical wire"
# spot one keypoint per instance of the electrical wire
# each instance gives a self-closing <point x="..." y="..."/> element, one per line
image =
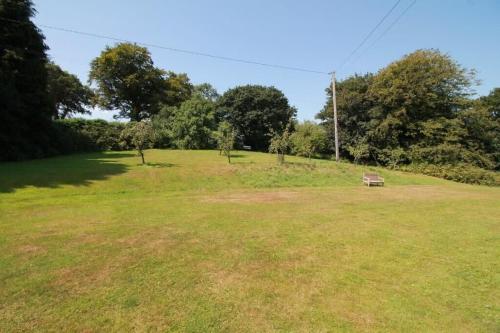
<point x="191" y="52"/>
<point x="387" y="30"/>
<point x="368" y="35"/>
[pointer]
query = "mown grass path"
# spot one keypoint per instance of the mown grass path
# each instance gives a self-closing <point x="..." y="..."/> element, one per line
<point x="96" y="242"/>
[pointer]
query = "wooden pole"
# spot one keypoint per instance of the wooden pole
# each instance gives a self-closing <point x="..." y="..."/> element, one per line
<point x="334" y="98"/>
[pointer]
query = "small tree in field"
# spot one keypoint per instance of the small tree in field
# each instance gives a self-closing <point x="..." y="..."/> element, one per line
<point x="226" y="135"/>
<point x="308" y="139"/>
<point x="140" y="135"/>
<point x="359" y="152"/>
<point x="280" y="143"/>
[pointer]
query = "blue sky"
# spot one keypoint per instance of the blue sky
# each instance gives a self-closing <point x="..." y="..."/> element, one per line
<point x="315" y="34"/>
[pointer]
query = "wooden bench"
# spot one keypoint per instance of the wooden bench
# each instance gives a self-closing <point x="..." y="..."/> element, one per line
<point x="247" y="147"/>
<point x="372" y="179"/>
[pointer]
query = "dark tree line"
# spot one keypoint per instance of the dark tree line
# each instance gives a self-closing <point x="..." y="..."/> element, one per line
<point x="25" y="112"/>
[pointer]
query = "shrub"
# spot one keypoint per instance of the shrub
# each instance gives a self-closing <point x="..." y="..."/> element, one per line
<point x="462" y="173"/>
<point x="82" y="135"/>
<point x="308" y="139"/>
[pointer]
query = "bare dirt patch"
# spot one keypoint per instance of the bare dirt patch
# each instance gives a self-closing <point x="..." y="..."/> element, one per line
<point x="253" y="197"/>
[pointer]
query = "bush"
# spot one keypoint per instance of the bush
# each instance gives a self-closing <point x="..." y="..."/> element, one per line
<point x="462" y="173"/>
<point x="82" y="135"/>
<point x="308" y="139"/>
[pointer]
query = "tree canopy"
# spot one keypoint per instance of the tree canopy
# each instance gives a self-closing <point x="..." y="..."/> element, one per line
<point x="308" y="139"/>
<point x="255" y="112"/>
<point x="139" y="135"/>
<point x="127" y="80"/>
<point x="25" y="117"/>
<point x="190" y="125"/>
<point x="67" y="95"/>
<point x="417" y="109"/>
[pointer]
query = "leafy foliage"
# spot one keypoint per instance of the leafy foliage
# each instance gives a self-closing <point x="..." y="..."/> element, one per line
<point x="226" y="137"/>
<point x="280" y="143"/>
<point x="417" y="110"/>
<point x="86" y="135"/>
<point x="188" y="126"/>
<point x="127" y="80"/>
<point x="67" y="95"/>
<point x="25" y="116"/>
<point x="463" y="173"/>
<point x="492" y="103"/>
<point x="206" y="91"/>
<point x="308" y="139"/>
<point x="256" y="112"/>
<point x="139" y="135"/>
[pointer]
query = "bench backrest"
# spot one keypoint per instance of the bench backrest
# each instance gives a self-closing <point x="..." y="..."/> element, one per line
<point x="371" y="176"/>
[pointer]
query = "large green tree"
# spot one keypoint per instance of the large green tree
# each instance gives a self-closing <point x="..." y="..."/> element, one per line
<point x="308" y="139"/>
<point x="256" y="112"/>
<point x="67" y="95"/>
<point x="411" y="111"/>
<point x="422" y="86"/>
<point x="25" y="116"/>
<point x="188" y="126"/>
<point x="353" y="104"/>
<point x="128" y="81"/>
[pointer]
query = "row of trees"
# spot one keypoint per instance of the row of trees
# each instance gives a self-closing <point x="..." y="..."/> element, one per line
<point x="416" y="110"/>
<point x="35" y="91"/>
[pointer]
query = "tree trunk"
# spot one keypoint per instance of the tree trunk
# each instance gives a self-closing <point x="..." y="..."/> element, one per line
<point x="229" y="156"/>
<point x="142" y="157"/>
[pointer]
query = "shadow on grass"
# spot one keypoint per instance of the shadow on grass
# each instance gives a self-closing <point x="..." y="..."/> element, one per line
<point x="238" y="155"/>
<point x="158" y="165"/>
<point x="77" y="170"/>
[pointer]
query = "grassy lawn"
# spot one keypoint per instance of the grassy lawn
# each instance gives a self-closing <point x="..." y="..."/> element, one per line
<point x="96" y="242"/>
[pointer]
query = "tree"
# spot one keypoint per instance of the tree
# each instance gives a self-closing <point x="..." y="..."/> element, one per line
<point x="492" y="102"/>
<point x="409" y="111"/>
<point x="308" y="139"/>
<point x="256" y="112"/>
<point x="140" y="135"/>
<point x="25" y="116"/>
<point x="353" y="104"/>
<point x="206" y="91"/>
<point x="423" y="85"/>
<point x="280" y="143"/>
<point x="178" y="89"/>
<point x="128" y="81"/>
<point x="359" y="152"/>
<point x="226" y="136"/>
<point x="67" y="95"/>
<point x="190" y="125"/>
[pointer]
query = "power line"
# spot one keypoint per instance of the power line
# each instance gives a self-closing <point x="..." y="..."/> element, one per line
<point x="369" y="34"/>
<point x="196" y="53"/>
<point x="387" y="30"/>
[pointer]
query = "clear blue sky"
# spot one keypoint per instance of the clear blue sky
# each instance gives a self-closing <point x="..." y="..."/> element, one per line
<point x="312" y="34"/>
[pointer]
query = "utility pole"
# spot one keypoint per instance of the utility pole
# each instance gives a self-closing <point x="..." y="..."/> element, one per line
<point x="334" y="98"/>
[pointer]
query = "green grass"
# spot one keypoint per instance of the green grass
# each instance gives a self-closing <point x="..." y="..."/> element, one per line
<point x="96" y="242"/>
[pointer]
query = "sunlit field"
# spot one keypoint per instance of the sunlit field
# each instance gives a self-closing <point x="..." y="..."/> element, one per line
<point x="98" y="242"/>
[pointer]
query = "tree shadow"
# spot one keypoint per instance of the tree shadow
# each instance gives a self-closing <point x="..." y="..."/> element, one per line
<point x="158" y="165"/>
<point x="238" y="155"/>
<point x="77" y="170"/>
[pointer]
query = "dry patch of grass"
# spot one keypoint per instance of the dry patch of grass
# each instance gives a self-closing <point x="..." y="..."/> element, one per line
<point x="253" y="197"/>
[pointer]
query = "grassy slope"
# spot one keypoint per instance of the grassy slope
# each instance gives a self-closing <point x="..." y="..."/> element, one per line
<point x="96" y="242"/>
